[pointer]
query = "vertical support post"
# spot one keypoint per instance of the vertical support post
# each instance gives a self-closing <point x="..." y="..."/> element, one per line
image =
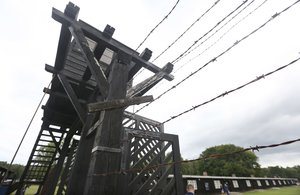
<point x="82" y="160"/>
<point x="105" y="156"/>
<point x="177" y="169"/>
<point x="65" y="174"/>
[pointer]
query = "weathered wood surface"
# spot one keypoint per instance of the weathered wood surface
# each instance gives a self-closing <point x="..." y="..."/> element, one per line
<point x="109" y="135"/>
<point x="72" y="96"/>
<point x="71" y="11"/>
<point x="147" y="84"/>
<point x="118" y="103"/>
<point x="93" y="64"/>
<point x="112" y="44"/>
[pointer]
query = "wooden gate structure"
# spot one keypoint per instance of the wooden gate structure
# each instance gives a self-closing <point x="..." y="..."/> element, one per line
<point x="88" y="143"/>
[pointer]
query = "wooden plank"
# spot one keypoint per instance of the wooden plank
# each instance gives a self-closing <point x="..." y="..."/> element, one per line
<point x="177" y="168"/>
<point x="72" y="96"/>
<point x="162" y="181"/>
<point x="73" y="70"/>
<point x="118" y="103"/>
<point x="112" y="44"/>
<point x="72" y="77"/>
<point x="76" y="63"/>
<point x="109" y="134"/>
<point x="146" y="185"/>
<point x="146" y="55"/>
<point x="71" y="12"/>
<point x="98" y="52"/>
<point x="77" y="55"/>
<point x="155" y="159"/>
<point x="93" y="64"/>
<point x="82" y="160"/>
<point x="145" y="85"/>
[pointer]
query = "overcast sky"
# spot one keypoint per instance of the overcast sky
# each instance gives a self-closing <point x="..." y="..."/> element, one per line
<point x="263" y="113"/>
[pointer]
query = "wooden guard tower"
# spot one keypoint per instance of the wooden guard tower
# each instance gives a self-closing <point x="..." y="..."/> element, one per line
<point x="88" y="143"/>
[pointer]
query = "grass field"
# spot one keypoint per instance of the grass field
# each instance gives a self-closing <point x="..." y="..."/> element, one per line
<point x="294" y="190"/>
<point x="31" y="190"/>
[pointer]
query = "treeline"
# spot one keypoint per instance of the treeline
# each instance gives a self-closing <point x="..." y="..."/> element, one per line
<point x="16" y="168"/>
<point x="241" y="165"/>
<point x="289" y="172"/>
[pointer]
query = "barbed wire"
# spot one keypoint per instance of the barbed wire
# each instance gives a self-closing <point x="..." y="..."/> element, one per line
<point x="219" y="39"/>
<point x="25" y="133"/>
<point x="158" y="24"/>
<point x="222" y="36"/>
<point x="180" y="36"/>
<point x="212" y="156"/>
<point x="140" y="71"/>
<point x="232" y="90"/>
<point x="216" y="31"/>
<point x="221" y="54"/>
<point x="218" y="23"/>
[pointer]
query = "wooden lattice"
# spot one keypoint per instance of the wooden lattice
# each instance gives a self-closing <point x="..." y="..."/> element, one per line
<point x="145" y="148"/>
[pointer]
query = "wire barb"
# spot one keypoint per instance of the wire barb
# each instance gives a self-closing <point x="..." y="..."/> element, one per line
<point x="202" y="158"/>
<point x="221" y="54"/>
<point x="158" y="25"/>
<point x="233" y="90"/>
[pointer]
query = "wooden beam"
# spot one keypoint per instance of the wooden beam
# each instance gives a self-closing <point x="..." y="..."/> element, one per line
<point x="99" y="50"/>
<point x="71" y="11"/>
<point x="109" y="134"/>
<point x="112" y="44"/>
<point x="93" y="64"/>
<point x="118" y="103"/>
<point x="61" y="95"/>
<point x="88" y="84"/>
<point x="147" y="84"/>
<point x="146" y="55"/>
<point x="72" y="96"/>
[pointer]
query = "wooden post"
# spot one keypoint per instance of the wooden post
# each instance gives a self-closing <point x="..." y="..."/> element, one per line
<point x="106" y="152"/>
<point x="81" y="164"/>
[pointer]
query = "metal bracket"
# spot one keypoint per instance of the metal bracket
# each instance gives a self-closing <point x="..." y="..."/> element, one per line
<point x="106" y="149"/>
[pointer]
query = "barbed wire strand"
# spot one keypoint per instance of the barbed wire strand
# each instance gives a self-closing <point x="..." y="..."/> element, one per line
<point x="232" y="90"/>
<point x="219" y="39"/>
<point x="212" y="156"/>
<point x="218" y="23"/>
<point x="222" y="36"/>
<point x="25" y="133"/>
<point x="158" y="24"/>
<point x="180" y="36"/>
<point x="216" y="31"/>
<point x="140" y="71"/>
<point x="221" y="54"/>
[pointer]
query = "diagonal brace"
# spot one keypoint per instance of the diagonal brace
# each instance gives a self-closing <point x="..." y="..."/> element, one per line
<point x="93" y="64"/>
<point x="147" y="84"/>
<point x="72" y="96"/>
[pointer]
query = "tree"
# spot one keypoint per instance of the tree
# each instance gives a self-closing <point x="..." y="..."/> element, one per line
<point x="16" y="168"/>
<point x="241" y="164"/>
<point x="276" y="171"/>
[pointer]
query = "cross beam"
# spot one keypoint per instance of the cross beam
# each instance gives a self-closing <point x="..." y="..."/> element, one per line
<point x="118" y="103"/>
<point x="111" y="43"/>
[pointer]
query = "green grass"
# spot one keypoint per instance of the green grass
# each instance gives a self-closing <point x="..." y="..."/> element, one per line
<point x="31" y="190"/>
<point x="294" y="190"/>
